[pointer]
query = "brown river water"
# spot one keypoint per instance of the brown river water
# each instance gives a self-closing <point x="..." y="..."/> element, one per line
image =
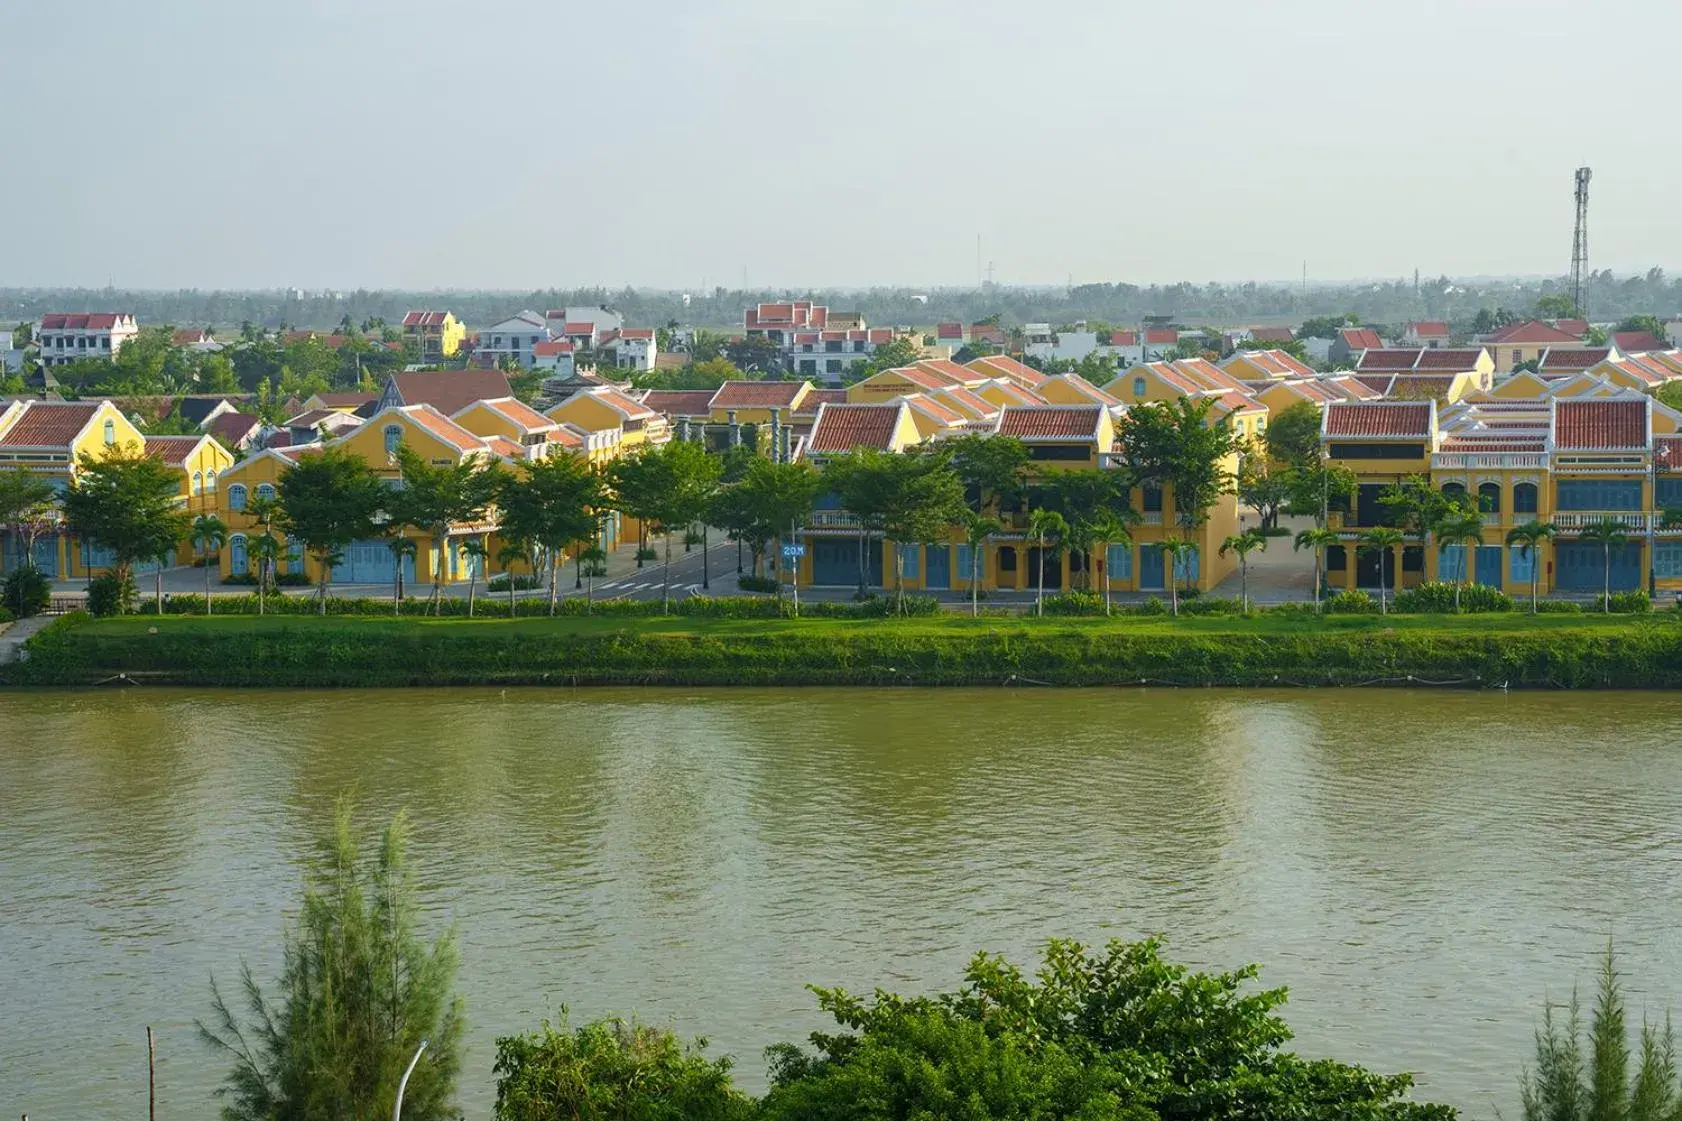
<point x="1420" y="868"/>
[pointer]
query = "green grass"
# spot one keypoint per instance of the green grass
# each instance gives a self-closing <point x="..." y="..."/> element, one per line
<point x="291" y="650"/>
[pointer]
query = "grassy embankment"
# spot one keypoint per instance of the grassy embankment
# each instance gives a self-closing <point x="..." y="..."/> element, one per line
<point x="1557" y="651"/>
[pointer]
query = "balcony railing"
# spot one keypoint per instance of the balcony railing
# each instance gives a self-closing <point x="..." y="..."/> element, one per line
<point x="1470" y="461"/>
<point x="833" y="519"/>
<point x="1582" y="519"/>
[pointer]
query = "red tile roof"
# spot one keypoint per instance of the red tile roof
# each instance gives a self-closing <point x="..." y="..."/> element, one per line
<point x="172" y="450"/>
<point x="1573" y="357"/>
<point x="757" y="394"/>
<point x="1577" y="327"/>
<point x="1376" y="418"/>
<point x="85" y="321"/>
<point x="1668" y="451"/>
<point x="1393" y="358"/>
<point x="444" y="428"/>
<point x="450" y="391"/>
<point x="949" y="331"/>
<point x="637" y="333"/>
<point x="680" y="402"/>
<point x="1416" y="387"/>
<point x="1360" y="338"/>
<point x="1478" y="446"/>
<point x="1124" y="338"/>
<point x="1638" y="342"/>
<point x="1531" y="331"/>
<point x="519" y="412"/>
<point x="1002" y="365"/>
<point x="1272" y="334"/>
<point x="49" y="424"/>
<point x="1051" y="422"/>
<point x="1276" y="362"/>
<point x="1600" y="425"/>
<point x="345" y="400"/>
<point x="187" y="336"/>
<point x="809" y="404"/>
<point x="551" y="347"/>
<point x="1430" y="329"/>
<point x="1162" y="336"/>
<point x="841" y="428"/>
<point x="1458" y="359"/>
<point x="233" y="429"/>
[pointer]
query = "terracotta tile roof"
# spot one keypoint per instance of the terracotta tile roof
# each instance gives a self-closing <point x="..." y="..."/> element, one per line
<point x="424" y="319"/>
<point x="1577" y="327"/>
<point x="949" y="331"/>
<point x="1668" y="451"/>
<point x="504" y="447"/>
<point x="950" y="372"/>
<point x="49" y="424"/>
<point x="1381" y="419"/>
<point x="1388" y="358"/>
<point x="1273" y="362"/>
<point x="1273" y="334"/>
<point x="85" y="321"/>
<point x="968" y="400"/>
<point x="1477" y="446"/>
<point x="1084" y="388"/>
<point x="1000" y="365"/>
<point x="1637" y="342"/>
<point x="1430" y="329"/>
<point x="841" y="428"/>
<point x="1457" y="358"/>
<point x="308" y="419"/>
<point x="1600" y="425"/>
<point x="923" y="376"/>
<point x="441" y="426"/>
<point x="1573" y="357"/>
<point x="1162" y="336"/>
<point x="520" y="413"/>
<point x="345" y="400"/>
<point x="188" y="336"/>
<point x="1414" y="387"/>
<point x="637" y="333"/>
<point x="1531" y="331"/>
<point x="1360" y="338"/>
<point x="679" y="402"/>
<point x="172" y="450"/>
<point x="1014" y="394"/>
<point x="450" y="391"/>
<point x="1206" y="374"/>
<point x="233" y="429"/>
<point x="1124" y="338"/>
<point x="551" y="347"/>
<point x="1051" y="422"/>
<point x="879" y="336"/>
<point x="1349" y="387"/>
<point x="933" y="407"/>
<point x="815" y="397"/>
<point x="757" y="394"/>
<point x="584" y="328"/>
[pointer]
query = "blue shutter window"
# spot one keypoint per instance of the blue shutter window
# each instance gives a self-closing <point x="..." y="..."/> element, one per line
<point x="236" y="497"/>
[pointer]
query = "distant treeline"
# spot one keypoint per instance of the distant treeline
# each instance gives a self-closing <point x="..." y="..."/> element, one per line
<point x="1609" y="297"/>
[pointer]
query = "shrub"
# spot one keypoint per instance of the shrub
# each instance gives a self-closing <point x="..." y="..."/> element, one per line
<point x="748" y="582"/>
<point x="1189" y="594"/>
<point x="1212" y="605"/>
<point x="108" y="595"/>
<point x="1558" y="607"/>
<point x="1295" y="608"/>
<point x="647" y="555"/>
<point x="522" y="581"/>
<point x="26" y="592"/>
<point x="6" y="617"/>
<point x="278" y="579"/>
<point x="1437" y="598"/>
<point x="1153" y="605"/>
<point x="1630" y="603"/>
<point x="1356" y="602"/>
<point x="1074" y="603"/>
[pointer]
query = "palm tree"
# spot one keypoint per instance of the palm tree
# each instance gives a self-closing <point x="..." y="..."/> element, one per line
<point x="1527" y="537"/>
<point x="1043" y="526"/>
<point x="1382" y="540"/>
<point x="402" y="548"/>
<point x="265" y="550"/>
<point x="1319" y="540"/>
<point x="977" y="529"/>
<point x="1466" y="531"/>
<point x="505" y="558"/>
<point x="474" y="550"/>
<point x="1242" y="545"/>
<point x="1103" y="529"/>
<point x="209" y="535"/>
<point x="1606" y="533"/>
<point x="1174" y="549"/>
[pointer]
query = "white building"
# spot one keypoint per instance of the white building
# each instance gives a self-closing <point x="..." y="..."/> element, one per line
<point x="515" y="337"/>
<point x="66" y="337"/>
<point x="603" y="319"/>
<point x="555" y="357"/>
<point x="633" y="348"/>
<point x="1673" y="332"/>
<point x="1061" y="345"/>
<point x="827" y="355"/>
<point x="11" y="358"/>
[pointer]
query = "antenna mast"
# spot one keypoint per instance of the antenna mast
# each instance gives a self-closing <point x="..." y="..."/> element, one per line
<point x="1580" y="242"/>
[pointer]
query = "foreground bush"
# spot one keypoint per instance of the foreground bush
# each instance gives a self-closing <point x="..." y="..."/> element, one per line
<point x="1558" y="607"/>
<point x="1438" y="598"/>
<point x="25" y="592"/>
<point x="488" y="607"/>
<point x="278" y="579"/>
<point x="1357" y="602"/>
<point x="109" y="595"/>
<point x="523" y="581"/>
<point x="748" y="582"/>
<point x="1630" y="603"/>
<point x="611" y="1069"/>
<point x="1073" y="603"/>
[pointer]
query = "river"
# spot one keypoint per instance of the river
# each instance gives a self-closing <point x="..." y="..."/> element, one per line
<point x="1420" y="868"/>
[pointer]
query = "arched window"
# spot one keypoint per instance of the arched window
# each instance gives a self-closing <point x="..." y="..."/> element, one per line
<point x="1489" y="498"/>
<point x="236" y="497"/>
<point x="393" y="438"/>
<point x="110" y="433"/>
<point x="1524" y="498"/>
<point x="238" y="564"/>
<point x="210" y="482"/>
<point x="1138" y="387"/>
<point x="1454" y="492"/>
<point x="265" y="490"/>
<point x="198" y="482"/>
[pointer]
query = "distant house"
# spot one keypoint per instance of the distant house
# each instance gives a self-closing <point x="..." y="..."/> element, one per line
<point x="514" y="337"/>
<point x="1349" y="342"/>
<point x="1049" y="345"/>
<point x="11" y="358"/>
<point x="1638" y="342"/>
<point x="439" y="334"/>
<point x="235" y="431"/>
<point x="1525" y="342"/>
<point x="1429" y="334"/>
<point x="949" y="335"/>
<point x="448" y="391"/>
<point x="1673" y="332"/>
<point x="633" y="348"/>
<point x="64" y="337"/>
<point x="597" y="320"/>
<point x="555" y="357"/>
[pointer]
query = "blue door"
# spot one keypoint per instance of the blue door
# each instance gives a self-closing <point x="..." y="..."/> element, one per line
<point x="1151" y="568"/>
<point x="238" y="562"/>
<point x="938" y="559"/>
<point x="1582" y="567"/>
<point x="372" y="562"/>
<point x="835" y="561"/>
<point x="1488" y="570"/>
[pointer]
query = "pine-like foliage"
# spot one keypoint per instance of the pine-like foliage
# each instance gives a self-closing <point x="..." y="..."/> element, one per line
<point x="358" y="992"/>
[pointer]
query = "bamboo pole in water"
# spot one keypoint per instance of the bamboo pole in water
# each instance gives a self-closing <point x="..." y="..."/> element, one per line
<point x="151" y="1079"/>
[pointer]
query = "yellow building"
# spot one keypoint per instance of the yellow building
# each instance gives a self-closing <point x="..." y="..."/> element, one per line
<point x="200" y="462"/>
<point x="603" y="408"/>
<point x="438" y="334"/>
<point x="1265" y="365"/>
<point x="1525" y="342"/>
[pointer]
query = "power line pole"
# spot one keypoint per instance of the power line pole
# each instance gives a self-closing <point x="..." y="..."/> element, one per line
<point x="1580" y="242"/>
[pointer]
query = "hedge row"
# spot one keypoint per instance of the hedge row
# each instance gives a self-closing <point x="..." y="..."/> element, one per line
<point x="497" y="607"/>
<point x="369" y="652"/>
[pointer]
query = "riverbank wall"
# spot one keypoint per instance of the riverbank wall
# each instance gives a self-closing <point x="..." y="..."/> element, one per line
<point x="298" y="651"/>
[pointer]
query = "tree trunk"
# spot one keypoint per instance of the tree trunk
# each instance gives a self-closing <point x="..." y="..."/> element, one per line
<point x="666" y="578"/>
<point x="1104" y="548"/>
<point x="1244" y="583"/>
<point x="439" y="559"/>
<point x="472" y="586"/>
<point x="1316" y="578"/>
<point x="1606" y="586"/>
<point x="975" y="580"/>
<point x="1534" y="574"/>
<point x="510" y="571"/>
<point x="261" y="605"/>
<point x="864" y="551"/>
<point x="158" y="588"/>
<point x="554" y="566"/>
<point x="1173" y="587"/>
<point x="207" y="585"/>
<point x="1039" y="587"/>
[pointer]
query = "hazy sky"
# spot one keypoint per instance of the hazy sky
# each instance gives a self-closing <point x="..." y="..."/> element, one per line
<point x="520" y="143"/>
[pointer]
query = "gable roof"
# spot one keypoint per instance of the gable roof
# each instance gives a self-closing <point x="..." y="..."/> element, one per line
<point x="816" y="398"/>
<point x="437" y="424"/>
<point x="1379" y="419"/>
<point x="841" y="428"/>
<point x="1051" y="422"/>
<point x="424" y="318"/>
<point x="514" y="410"/>
<point x="1600" y="425"/>
<point x="49" y="424"/>
<point x="86" y="321"/>
<point x="1273" y="334"/>
<point x="1360" y="338"/>
<point x="450" y="391"/>
<point x="1572" y="358"/>
<point x="1531" y="331"/>
<point x="174" y="450"/>
<point x="949" y="331"/>
<point x="1082" y="387"/>
<point x="1124" y="338"/>
<point x="1273" y="362"/>
<point x="758" y="394"/>
<point x="1450" y="358"/>
<point x="1638" y="342"/>
<point x="680" y="402"/>
<point x="233" y="429"/>
<point x="1429" y="329"/>
<point x="1001" y="365"/>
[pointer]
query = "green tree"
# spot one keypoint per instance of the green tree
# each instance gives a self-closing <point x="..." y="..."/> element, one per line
<point x="1462" y="529"/>
<point x="437" y="498"/>
<point x="1175" y="443"/>
<point x="1315" y="488"/>
<point x="557" y="502"/>
<point x="1293" y="435"/>
<point x="1294" y="348"/>
<point x="402" y="549"/>
<point x="858" y="478"/>
<point x="612" y="1071"/>
<point x="1242" y="545"/>
<point x="771" y="501"/>
<point x="475" y="551"/>
<point x="920" y="498"/>
<point x="1318" y="540"/>
<point x="1527" y="539"/>
<point x="125" y="502"/>
<point x="265" y="550"/>
<point x="1556" y="306"/>
<point x="1647" y="323"/>
<point x="978" y="530"/>
<point x="755" y="353"/>
<point x="1263" y="488"/>
<point x="1048" y="529"/>
<point x="359" y="990"/>
<point x="902" y="350"/>
<point x="209" y="535"/>
<point x="1606" y="533"/>
<point x="1383" y="541"/>
<point x="27" y="508"/>
<point x="327" y="501"/>
<point x="1175" y="550"/>
<point x="668" y="487"/>
<point x="505" y="558"/>
<point x="992" y="469"/>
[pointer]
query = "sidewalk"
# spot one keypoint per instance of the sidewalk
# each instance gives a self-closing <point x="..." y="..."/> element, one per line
<point x="14" y="635"/>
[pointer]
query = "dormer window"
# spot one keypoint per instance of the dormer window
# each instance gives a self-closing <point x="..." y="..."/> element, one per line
<point x="393" y="438"/>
